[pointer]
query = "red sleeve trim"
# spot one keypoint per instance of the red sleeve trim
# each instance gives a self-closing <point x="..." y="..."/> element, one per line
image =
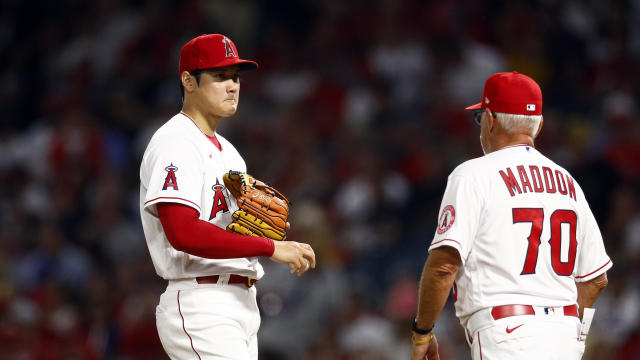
<point x="439" y="241"/>
<point x="457" y="249"/>
<point x="594" y="271"/>
<point x="172" y="198"/>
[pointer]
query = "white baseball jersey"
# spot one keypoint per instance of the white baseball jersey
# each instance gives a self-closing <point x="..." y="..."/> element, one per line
<point x="181" y="165"/>
<point x="523" y="229"/>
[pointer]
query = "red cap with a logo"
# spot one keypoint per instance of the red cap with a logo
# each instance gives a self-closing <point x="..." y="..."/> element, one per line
<point x="211" y="51"/>
<point x="511" y="93"/>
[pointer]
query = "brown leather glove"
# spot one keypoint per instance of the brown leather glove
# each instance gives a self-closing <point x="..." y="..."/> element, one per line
<point x="263" y="210"/>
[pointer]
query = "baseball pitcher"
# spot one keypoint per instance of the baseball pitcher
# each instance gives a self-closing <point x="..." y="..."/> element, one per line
<point x="515" y="240"/>
<point x="205" y="220"/>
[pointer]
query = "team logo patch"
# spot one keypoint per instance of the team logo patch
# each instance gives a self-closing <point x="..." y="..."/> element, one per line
<point x="219" y="200"/>
<point x="170" y="180"/>
<point x="447" y="218"/>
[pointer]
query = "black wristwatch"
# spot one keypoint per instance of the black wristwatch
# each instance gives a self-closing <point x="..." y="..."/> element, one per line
<point x="417" y="330"/>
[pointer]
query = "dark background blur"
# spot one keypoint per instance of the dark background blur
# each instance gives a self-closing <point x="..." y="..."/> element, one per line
<point x="356" y="113"/>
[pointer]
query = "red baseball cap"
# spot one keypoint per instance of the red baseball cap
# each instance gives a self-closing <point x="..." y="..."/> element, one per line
<point x="511" y="93"/>
<point x="211" y="51"/>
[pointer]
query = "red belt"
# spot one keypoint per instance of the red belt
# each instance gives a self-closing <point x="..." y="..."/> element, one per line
<point x="233" y="279"/>
<point x="499" y="312"/>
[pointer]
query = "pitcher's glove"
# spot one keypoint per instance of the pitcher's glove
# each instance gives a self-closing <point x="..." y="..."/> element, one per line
<point x="263" y="210"/>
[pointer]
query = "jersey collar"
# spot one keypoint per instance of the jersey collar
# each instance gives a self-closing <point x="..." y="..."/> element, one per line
<point x="515" y="145"/>
<point x="213" y="138"/>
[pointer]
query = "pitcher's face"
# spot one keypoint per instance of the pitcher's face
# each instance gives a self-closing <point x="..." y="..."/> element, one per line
<point x="219" y="91"/>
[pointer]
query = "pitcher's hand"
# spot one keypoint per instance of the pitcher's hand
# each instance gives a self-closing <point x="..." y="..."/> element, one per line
<point x="299" y="256"/>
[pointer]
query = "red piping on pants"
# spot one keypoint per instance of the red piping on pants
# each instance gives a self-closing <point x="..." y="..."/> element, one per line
<point x="185" y="329"/>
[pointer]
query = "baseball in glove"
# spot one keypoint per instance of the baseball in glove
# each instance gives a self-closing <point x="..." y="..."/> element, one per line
<point x="263" y="210"/>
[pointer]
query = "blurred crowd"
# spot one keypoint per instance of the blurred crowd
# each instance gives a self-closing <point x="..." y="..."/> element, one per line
<point x="356" y="113"/>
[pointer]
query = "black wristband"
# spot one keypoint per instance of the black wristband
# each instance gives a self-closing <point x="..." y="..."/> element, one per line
<point x="417" y="330"/>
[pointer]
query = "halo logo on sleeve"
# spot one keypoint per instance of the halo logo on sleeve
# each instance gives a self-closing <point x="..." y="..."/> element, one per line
<point x="170" y="180"/>
<point x="219" y="201"/>
<point x="447" y="217"/>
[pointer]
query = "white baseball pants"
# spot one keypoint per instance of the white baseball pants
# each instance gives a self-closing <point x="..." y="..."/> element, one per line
<point x="547" y="335"/>
<point x="208" y="321"/>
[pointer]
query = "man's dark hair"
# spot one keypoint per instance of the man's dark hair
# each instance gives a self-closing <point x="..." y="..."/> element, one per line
<point x="196" y="74"/>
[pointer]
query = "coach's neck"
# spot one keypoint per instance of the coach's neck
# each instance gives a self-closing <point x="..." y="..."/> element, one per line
<point x="493" y="136"/>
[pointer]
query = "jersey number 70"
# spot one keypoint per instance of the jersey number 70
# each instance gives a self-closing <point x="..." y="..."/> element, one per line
<point x="559" y="217"/>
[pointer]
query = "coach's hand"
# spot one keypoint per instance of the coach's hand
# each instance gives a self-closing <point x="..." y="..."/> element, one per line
<point x="299" y="256"/>
<point x="427" y="351"/>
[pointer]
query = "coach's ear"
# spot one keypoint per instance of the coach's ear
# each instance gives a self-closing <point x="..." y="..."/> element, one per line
<point x="187" y="81"/>
<point x="539" y="127"/>
<point x="491" y="119"/>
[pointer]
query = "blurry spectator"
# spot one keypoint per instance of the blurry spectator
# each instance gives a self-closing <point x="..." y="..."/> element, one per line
<point x="53" y="260"/>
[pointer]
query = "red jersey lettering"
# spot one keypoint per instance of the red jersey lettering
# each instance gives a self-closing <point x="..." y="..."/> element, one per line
<point x="511" y="182"/>
<point x="524" y="179"/>
<point x="548" y="180"/>
<point x="536" y="179"/>
<point x="571" y="188"/>
<point x="562" y="185"/>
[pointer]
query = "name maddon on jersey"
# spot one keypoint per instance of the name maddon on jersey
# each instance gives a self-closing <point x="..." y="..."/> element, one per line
<point x="532" y="179"/>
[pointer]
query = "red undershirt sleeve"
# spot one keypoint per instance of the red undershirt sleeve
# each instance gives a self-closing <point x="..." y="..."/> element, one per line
<point x="187" y="233"/>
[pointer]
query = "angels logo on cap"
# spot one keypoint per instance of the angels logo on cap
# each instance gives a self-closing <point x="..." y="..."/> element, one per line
<point x="211" y="51"/>
<point x="228" y="48"/>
